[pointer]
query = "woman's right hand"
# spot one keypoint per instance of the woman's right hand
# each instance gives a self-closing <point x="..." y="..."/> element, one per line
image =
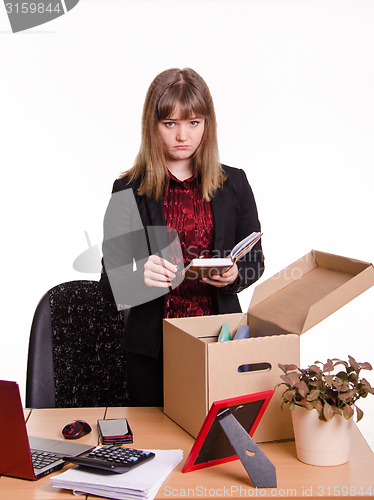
<point x="159" y="272"/>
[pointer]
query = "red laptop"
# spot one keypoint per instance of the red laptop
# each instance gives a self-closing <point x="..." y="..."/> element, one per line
<point x="22" y="456"/>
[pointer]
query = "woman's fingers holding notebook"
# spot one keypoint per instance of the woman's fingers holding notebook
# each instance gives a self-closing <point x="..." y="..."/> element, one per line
<point x="158" y="272"/>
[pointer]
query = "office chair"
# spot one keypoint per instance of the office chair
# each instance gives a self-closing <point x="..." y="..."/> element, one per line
<point x="75" y="357"/>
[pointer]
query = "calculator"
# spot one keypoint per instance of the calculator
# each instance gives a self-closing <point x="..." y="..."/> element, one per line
<point x="112" y="458"/>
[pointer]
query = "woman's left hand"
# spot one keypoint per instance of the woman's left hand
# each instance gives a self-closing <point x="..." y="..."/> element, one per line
<point x="227" y="278"/>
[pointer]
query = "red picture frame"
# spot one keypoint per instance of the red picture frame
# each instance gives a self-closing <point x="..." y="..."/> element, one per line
<point x="211" y="446"/>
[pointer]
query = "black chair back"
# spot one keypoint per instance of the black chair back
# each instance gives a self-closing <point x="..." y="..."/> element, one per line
<point x="75" y="356"/>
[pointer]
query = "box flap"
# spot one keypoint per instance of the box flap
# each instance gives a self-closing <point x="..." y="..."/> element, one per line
<point x="306" y="292"/>
<point x="339" y="297"/>
<point x="282" y="279"/>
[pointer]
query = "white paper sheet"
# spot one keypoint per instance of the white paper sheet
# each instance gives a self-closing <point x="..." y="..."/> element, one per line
<point x="142" y="482"/>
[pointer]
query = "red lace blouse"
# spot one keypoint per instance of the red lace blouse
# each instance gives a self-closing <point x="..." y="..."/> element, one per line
<point x="192" y="217"/>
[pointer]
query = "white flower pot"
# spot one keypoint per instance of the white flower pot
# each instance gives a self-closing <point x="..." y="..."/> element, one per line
<point x="319" y="442"/>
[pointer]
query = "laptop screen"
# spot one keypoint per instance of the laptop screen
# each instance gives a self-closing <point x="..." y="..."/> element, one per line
<point x="15" y="455"/>
<point x="15" y="458"/>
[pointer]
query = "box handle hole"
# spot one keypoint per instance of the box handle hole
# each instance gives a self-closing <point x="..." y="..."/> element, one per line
<point x="254" y="367"/>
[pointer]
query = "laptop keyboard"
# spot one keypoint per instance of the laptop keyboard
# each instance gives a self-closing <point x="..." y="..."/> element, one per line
<point x="41" y="459"/>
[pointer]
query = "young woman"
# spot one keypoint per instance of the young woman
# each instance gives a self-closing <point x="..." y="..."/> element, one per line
<point x="176" y="182"/>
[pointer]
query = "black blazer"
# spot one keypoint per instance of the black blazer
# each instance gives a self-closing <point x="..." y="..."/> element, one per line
<point x="235" y="216"/>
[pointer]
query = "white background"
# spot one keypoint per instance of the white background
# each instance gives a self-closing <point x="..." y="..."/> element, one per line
<point x="292" y="82"/>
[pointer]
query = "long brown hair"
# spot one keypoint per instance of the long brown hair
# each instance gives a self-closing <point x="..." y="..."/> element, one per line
<point x="186" y="88"/>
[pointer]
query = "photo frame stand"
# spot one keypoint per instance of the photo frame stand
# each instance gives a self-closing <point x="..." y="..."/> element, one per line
<point x="259" y="468"/>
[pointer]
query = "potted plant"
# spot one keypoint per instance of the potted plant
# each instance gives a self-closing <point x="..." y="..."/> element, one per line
<point x="323" y="399"/>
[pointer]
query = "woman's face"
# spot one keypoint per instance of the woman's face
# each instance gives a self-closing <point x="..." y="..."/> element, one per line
<point x="181" y="138"/>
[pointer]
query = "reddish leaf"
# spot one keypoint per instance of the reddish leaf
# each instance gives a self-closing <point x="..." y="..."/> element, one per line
<point x="366" y="366"/>
<point x="313" y="395"/>
<point x="354" y="364"/>
<point x="344" y="387"/>
<point x="329" y="366"/>
<point x="286" y="379"/>
<point x="294" y="377"/>
<point x="316" y="370"/>
<point x="287" y="368"/>
<point x="329" y="379"/>
<point x="318" y="406"/>
<point x="366" y="385"/>
<point x="303" y="388"/>
<point x="343" y="397"/>
<point x="306" y="404"/>
<point x="328" y="412"/>
<point x="359" y="413"/>
<point x="340" y="362"/>
<point x="348" y="412"/>
<point x="288" y="395"/>
<point x="282" y="367"/>
<point x="291" y="367"/>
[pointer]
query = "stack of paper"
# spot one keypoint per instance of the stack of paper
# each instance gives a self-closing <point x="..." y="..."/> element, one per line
<point x="143" y="482"/>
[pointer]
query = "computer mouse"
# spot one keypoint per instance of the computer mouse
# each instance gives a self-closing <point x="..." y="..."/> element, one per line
<point x="76" y="429"/>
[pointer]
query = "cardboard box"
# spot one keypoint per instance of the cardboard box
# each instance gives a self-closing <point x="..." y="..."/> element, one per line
<point x="199" y="370"/>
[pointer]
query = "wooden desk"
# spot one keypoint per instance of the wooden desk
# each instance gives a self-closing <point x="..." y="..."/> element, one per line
<point x="152" y="429"/>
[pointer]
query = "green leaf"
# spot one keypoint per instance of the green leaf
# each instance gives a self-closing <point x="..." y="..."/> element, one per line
<point x="342" y="376"/>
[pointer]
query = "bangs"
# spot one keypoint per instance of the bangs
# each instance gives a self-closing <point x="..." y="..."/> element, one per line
<point x="173" y="91"/>
<point x="190" y="103"/>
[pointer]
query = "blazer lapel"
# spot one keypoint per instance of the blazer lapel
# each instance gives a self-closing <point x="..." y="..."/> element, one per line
<point x="159" y="236"/>
<point x="151" y="211"/>
<point x="218" y="207"/>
